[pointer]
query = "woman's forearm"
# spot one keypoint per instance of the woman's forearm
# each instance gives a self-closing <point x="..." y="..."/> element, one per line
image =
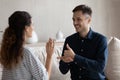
<point x="48" y="64"/>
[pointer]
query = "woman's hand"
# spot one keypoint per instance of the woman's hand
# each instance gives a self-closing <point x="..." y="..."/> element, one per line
<point x="50" y="47"/>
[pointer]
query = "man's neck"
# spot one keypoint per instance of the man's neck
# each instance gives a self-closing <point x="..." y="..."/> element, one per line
<point x="84" y="34"/>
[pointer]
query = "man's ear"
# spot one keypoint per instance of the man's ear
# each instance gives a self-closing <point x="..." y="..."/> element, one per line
<point x="89" y="19"/>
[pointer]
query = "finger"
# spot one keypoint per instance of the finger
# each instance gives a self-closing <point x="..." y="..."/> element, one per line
<point x="66" y="51"/>
<point x="52" y="43"/>
<point x="47" y="44"/>
<point x="68" y="47"/>
<point x="58" y="57"/>
<point x="70" y="59"/>
<point x="66" y="54"/>
<point x="67" y="59"/>
<point x="50" y="40"/>
<point x="61" y="58"/>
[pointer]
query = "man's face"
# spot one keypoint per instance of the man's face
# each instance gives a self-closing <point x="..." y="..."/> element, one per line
<point x="81" y="21"/>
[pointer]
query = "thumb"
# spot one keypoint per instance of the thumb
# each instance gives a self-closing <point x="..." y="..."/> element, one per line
<point x="60" y="58"/>
<point x="68" y="47"/>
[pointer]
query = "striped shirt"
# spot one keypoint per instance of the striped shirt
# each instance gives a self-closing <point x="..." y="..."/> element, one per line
<point x="29" y="69"/>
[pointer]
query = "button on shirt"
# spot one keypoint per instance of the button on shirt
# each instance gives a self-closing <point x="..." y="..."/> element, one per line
<point x="90" y="56"/>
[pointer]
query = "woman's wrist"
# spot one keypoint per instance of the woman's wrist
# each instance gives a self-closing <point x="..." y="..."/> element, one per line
<point x="49" y="56"/>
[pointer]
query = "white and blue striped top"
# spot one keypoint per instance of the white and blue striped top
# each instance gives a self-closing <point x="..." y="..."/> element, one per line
<point x="29" y="69"/>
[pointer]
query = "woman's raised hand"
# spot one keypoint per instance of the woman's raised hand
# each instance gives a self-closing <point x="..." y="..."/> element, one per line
<point x="50" y="47"/>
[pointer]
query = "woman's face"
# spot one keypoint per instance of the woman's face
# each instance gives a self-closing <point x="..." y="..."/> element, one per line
<point x="28" y="31"/>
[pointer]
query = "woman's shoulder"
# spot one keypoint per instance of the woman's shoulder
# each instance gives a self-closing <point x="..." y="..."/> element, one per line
<point x="29" y="56"/>
<point x="28" y="51"/>
<point x="34" y="65"/>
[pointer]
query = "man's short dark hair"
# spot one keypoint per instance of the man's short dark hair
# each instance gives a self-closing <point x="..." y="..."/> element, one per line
<point x="85" y="9"/>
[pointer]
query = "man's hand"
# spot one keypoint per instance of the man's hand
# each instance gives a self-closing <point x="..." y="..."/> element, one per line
<point x="69" y="52"/>
<point x="68" y="55"/>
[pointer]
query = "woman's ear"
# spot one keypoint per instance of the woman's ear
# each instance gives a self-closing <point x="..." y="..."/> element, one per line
<point x="26" y="29"/>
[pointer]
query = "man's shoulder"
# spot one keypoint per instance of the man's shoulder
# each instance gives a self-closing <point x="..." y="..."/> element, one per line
<point x="99" y="35"/>
<point x="72" y="36"/>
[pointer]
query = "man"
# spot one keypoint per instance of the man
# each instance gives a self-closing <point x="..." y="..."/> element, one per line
<point x="85" y="52"/>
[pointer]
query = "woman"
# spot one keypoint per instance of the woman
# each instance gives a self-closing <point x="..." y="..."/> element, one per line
<point x="18" y="62"/>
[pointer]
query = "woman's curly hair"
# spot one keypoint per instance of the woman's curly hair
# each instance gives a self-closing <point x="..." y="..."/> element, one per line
<point x="11" y="52"/>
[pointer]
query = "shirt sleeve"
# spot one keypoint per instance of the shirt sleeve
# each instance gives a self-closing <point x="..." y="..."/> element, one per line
<point x="64" y="67"/>
<point x="35" y="67"/>
<point x="98" y="64"/>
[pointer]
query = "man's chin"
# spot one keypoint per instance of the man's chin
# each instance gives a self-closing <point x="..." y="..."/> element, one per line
<point x="78" y="31"/>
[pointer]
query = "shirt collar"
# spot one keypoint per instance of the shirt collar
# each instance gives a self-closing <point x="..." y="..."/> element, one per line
<point x="89" y="35"/>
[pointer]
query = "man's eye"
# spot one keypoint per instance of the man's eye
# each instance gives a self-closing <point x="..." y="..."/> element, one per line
<point x="78" y="19"/>
<point x="73" y="19"/>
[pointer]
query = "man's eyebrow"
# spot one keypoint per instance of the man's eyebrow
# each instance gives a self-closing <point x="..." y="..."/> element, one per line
<point x="76" y="17"/>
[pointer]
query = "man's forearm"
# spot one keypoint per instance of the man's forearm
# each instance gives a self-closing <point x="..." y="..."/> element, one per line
<point x="90" y="64"/>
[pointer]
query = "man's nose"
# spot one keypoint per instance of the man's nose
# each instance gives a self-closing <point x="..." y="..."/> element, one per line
<point x="75" y="22"/>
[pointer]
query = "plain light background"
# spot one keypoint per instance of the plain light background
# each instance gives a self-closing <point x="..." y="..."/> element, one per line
<point x="49" y="16"/>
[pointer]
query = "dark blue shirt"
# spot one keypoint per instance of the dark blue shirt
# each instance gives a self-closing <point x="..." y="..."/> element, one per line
<point x="90" y="56"/>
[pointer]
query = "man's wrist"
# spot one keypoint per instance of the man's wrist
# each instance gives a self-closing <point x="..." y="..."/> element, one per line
<point x="73" y="56"/>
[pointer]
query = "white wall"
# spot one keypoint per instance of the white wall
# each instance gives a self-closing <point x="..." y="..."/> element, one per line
<point x="114" y="18"/>
<point x="51" y="15"/>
